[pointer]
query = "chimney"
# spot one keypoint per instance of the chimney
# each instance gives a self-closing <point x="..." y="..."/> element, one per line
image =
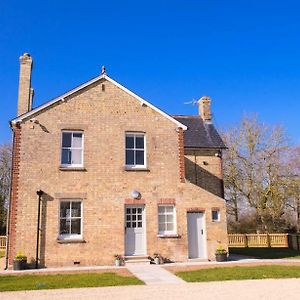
<point x="25" y="90"/>
<point x="204" y="109"/>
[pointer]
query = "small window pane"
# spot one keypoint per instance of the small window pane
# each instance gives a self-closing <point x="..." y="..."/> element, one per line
<point x="139" y="224"/>
<point x="64" y="209"/>
<point x="134" y="217"/>
<point x="76" y="209"/>
<point x="169" y="209"/>
<point x="139" y="142"/>
<point x="76" y="156"/>
<point x="139" y="157"/>
<point x="161" y="209"/>
<point x="129" y="141"/>
<point x="134" y="210"/>
<point x="129" y="157"/>
<point x="170" y="226"/>
<point x="139" y="217"/>
<point x="161" y="218"/>
<point x="161" y="227"/>
<point x="128" y="210"/>
<point x="139" y="210"/>
<point x="66" y="156"/>
<point x="64" y="227"/>
<point x="128" y="218"/>
<point x="77" y="140"/>
<point x="169" y="218"/>
<point x="75" y="226"/>
<point x="66" y="139"/>
<point x="215" y="215"/>
<point x="134" y="224"/>
<point x="128" y="225"/>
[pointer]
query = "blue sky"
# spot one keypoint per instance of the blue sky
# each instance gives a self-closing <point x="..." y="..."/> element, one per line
<point x="244" y="54"/>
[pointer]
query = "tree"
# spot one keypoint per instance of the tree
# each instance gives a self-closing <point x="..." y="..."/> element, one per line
<point x="257" y="176"/>
<point x="5" y="174"/>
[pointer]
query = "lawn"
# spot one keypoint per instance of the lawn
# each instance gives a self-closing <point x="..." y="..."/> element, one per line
<point x="266" y="252"/>
<point x="240" y="273"/>
<point x="37" y="282"/>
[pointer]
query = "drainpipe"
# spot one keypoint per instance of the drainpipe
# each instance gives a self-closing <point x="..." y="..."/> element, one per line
<point x="40" y="194"/>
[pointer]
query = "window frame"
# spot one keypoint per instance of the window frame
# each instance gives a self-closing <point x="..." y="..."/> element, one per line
<point x="136" y="134"/>
<point x="218" y="213"/>
<point x="167" y="232"/>
<point x="70" y="236"/>
<point x="75" y="148"/>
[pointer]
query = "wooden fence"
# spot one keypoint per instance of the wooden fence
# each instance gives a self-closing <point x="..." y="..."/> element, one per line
<point x="2" y="242"/>
<point x="278" y="240"/>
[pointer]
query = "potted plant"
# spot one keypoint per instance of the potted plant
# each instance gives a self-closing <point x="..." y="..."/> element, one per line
<point x="221" y="254"/>
<point x="20" y="262"/>
<point x="156" y="258"/>
<point x="118" y="260"/>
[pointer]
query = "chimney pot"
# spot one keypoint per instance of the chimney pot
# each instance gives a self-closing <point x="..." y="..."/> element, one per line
<point x="204" y="109"/>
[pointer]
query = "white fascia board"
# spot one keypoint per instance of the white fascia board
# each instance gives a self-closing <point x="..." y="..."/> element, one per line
<point x="102" y="76"/>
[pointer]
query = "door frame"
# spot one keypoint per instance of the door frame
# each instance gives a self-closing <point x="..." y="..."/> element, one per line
<point x="143" y="206"/>
<point x="204" y="234"/>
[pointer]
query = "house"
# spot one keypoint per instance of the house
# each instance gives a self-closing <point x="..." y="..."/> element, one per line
<point x="115" y="175"/>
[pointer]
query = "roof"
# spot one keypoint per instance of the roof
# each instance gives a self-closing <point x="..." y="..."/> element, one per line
<point x="200" y="134"/>
<point x="86" y="84"/>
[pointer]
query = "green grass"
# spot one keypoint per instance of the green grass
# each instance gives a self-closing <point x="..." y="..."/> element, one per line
<point x="37" y="282"/>
<point x="240" y="273"/>
<point x="2" y="253"/>
<point x="266" y="252"/>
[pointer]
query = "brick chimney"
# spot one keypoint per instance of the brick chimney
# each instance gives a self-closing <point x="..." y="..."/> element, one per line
<point x="25" y="91"/>
<point x="204" y="109"/>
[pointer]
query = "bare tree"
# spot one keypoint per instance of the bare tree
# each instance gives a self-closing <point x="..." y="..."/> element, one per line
<point x="5" y="174"/>
<point x="256" y="175"/>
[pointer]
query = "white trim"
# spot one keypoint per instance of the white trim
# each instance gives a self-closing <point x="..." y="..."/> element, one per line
<point x="82" y="149"/>
<point x="135" y="166"/>
<point x="71" y="236"/>
<point x="167" y="232"/>
<point x="102" y="76"/>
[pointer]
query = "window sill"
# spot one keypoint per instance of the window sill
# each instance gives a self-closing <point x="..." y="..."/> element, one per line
<point x="169" y="236"/>
<point x="70" y="241"/>
<point x="129" y="169"/>
<point x="82" y="169"/>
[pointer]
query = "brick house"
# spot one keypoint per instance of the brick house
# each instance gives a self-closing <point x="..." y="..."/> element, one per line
<point x="117" y="175"/>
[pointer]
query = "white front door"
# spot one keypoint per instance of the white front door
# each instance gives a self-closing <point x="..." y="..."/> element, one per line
<point x="196" y="235"/>
<point x="135" y="233"/>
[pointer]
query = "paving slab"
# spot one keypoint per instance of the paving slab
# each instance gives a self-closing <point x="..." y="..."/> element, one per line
<point x="153" y="275"/>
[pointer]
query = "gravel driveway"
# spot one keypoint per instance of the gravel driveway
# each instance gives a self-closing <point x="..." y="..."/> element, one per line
<point x="274" y="289"/>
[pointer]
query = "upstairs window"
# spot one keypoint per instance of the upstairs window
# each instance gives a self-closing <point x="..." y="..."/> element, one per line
<point x="215" y="215"/>
<point x="135" y="154"/>
<point x="70" y="221"/>
<point x="166" y="219"/>
<point x="72" y="149"/>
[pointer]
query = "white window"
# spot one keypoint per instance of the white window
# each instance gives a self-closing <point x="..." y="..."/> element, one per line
<point x="166" y="219"/>
<point x="72" y="149"/>
<point x="70" y="220"/>
<point x="135" y="154"/>
<point x="215" y="215"/>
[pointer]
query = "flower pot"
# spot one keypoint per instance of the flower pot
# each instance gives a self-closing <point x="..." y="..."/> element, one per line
<point x="221" y="257"/>
<point x="157" y="260"/>
<point x="19" y="264"/>
<point x="118" y="262"/>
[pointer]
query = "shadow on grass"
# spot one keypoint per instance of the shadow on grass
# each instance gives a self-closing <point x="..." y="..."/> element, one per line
<point x="266" y="253"/>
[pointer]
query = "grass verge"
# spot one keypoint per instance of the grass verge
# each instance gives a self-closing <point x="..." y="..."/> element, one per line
<point x="37" y="282"/>
<point x="240" y="273"/>
<point x="266" y="252"/>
